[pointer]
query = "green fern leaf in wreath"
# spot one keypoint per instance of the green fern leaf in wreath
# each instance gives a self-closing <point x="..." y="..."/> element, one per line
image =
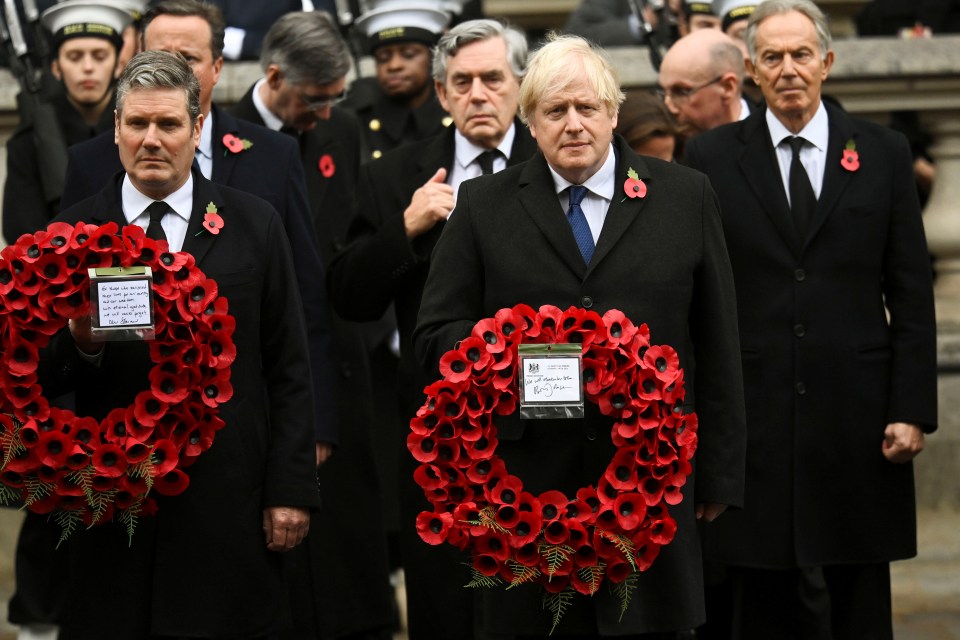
<point x="10" y="442"/>
<point x="623" y="591"/>
<point x="592" y="575"/>
<point x="557" y="604"/>
<point x="522" y="574"/>
<point x="625" y="545"/>
<point x="128" y="518"/>
<point x="8" y="495"/>
<point x="555" y="555"/>
<point x="478" y="579"/>
<point x="36" y="490"/>
<point x="68" y="521"/>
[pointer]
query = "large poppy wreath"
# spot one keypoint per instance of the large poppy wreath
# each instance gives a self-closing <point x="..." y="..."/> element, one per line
<point x="567" y="544"/>
<point x="81" y="470"/>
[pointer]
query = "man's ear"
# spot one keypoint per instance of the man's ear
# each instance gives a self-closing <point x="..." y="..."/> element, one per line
<point x="274" y="77"/>
<point x="55" y="70"/>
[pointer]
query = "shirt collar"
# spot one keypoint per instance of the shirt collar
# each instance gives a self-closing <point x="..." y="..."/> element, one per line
<point x="600" y="183"/>
<point x="466" y="152"/>
<point x="817" y="131"/>
<point x="269" y="120"/>
<point x="134" y="203"/>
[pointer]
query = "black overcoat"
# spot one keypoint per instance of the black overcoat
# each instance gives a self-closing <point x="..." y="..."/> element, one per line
<point x="200" y="567"/>
<point x="838" y="340"/>
<point x="661" y="260"/>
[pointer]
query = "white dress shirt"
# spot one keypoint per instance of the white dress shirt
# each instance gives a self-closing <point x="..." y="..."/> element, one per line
<point x="174" y="224"/>
<point x="813" y="156"/>
<point x="600" y="191"/>
<point x="204" y="153"/>
<point x="465" y="158"/>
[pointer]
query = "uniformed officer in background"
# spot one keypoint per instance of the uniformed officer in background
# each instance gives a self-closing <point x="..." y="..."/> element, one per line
<point x="400" y="104"/>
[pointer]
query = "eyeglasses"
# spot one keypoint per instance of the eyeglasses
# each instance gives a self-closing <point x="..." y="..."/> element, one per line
<point x="314" y="103"/>
<point x="678" y="94"/>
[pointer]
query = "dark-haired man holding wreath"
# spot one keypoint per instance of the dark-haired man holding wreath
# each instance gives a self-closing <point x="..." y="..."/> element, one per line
<point x="640" y="235"/>
<point x="207" y="564"/>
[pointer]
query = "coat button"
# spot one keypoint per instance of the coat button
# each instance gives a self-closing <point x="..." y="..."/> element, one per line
<point x="591" y="434"/>
<point x="586" y="302"/>
<point x="801" y="388"/>
<point x="800" y="275"/>
<point x="799" y="330"/>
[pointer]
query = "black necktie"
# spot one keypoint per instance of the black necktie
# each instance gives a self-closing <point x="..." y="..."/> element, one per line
<point x="485" y="160"/>
<point x="803" y="201"/>
<point x="157" y="210"/>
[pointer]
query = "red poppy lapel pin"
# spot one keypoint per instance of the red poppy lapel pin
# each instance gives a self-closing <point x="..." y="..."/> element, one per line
<point x="634" y="187"/>
<point x="327" y="166"/>
<point x="851" y="159"/>
<point x="212" y="222"/>
<point x="234" y="144"/>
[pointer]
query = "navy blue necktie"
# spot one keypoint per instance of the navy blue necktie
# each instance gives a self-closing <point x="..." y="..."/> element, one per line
<point x="581" y="230"/>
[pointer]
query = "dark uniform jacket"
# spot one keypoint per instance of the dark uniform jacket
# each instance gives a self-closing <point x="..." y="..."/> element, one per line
<point x="25" y="208"/>
<point x="387" y="124"/>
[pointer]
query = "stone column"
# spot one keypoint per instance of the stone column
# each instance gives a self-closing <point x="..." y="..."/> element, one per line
<point x="942" y="216"/>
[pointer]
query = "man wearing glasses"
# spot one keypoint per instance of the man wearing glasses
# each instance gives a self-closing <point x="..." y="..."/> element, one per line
<point x="305" y="63"/>
<point x="701" y="79"/>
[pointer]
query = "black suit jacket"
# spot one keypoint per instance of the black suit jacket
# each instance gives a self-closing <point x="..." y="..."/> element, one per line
<point x="271" y="170"/>
<point x="353" y="596"/>
<point x="825" y="370"/>
<point x="211" y="534"/>
<point x="662" y="261"/>
<point x="379" y="260"/>
<point x="380" y="267"/>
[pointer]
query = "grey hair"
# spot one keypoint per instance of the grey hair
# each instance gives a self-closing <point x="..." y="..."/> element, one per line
<point x="477" y="31"/>
<point x="307" y="48"/>
<point x="778" y="7"/>
<point x="160" y="70"/>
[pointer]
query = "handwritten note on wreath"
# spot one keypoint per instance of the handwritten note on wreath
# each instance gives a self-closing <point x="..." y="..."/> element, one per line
<point x="551" y="379"/>
<point x="124" y="303"/>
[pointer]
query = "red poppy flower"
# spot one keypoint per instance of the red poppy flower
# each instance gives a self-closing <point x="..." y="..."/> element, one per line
<point x="454" y="366"/>
<point x="109" y="460"/>
<point x="327" y="166"/>
<point x="526" y="529"/>
<point x="527" y="555"/>
<point x="53" y="448"/>
<point x="172" y="483"/>
<point x="621" y="473"/>
<point x="433" y="527"/>
<point x="851" y="159"/>
<point x="490" y="333"/>
<point x="148" y="409"/>
<point x="232" y="143"/>
<point x="217" y="388"/>
<point x="507" y="491"/>
<point x="635" y="188"/>
<point x="212" y="222"/>
<point x="481" y="449"/>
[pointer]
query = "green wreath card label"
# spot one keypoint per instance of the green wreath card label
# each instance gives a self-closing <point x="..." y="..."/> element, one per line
<point x="121" y="303"/>
<point x="550" y="380"/>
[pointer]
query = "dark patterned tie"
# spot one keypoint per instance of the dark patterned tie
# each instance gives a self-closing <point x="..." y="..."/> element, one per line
<point x="581" y="230"/>
<point x="485" y="160"/>
<point x="803" y="200"/>
<point x="157" y="210"/>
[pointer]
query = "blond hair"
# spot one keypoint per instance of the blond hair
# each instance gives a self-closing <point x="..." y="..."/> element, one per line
<point x="556" y="65"/>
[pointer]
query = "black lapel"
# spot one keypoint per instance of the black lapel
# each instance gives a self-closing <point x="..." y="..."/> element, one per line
<point x="223" y="161"/>
<point x="539" y="199"/>
<point x="760" y="167"/>
<point x="198" y="240"/>
<point x="835" y="178"/>
<point x="623" y="210"/>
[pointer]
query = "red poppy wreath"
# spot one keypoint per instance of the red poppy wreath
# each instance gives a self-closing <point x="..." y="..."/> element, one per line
<point x="81" y="470"/>
<point x="567" y="544"/>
